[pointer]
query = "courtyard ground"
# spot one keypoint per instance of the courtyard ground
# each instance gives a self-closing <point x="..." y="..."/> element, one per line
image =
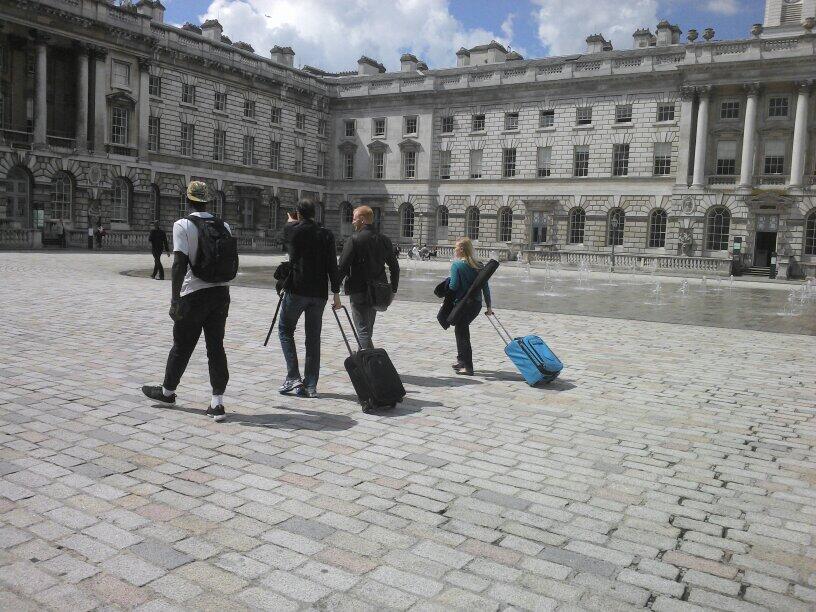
<point x="670" y="467"/>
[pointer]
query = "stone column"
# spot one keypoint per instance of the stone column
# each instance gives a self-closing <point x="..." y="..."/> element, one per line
<point x="100" y="103"/>
<point x="40" y="100"/>
<point x="702" y="138"/>
<point x="749" y="136"/>
<point x="82" y="99"/>
<point x="684" y="144"/>
<point x="800" y="135"/>
<point x="144" y="106"/>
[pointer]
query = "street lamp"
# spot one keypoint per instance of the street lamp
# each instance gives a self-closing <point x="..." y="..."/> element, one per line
<point x="614" y="223"/>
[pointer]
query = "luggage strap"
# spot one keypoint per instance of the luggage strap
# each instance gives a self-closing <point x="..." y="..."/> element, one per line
<point x="342" y="331"/>
<point x="274" y="319"/>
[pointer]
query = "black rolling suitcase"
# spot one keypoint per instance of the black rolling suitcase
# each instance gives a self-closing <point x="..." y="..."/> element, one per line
<point x="375" y="379"/>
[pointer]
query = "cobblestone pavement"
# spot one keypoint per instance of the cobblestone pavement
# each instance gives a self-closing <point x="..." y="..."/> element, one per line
<point x="670" y="467"/>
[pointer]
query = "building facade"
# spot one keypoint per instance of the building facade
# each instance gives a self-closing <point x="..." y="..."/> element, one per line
<point x="669" y="152"/>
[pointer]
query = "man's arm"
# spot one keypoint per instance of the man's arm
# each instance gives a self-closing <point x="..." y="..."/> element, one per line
<point x="346" y="259"/>
<point x="180" y="263"/>
<point x="331" y="266"/>
<point x="392" y="263"/>
<point x="166" y="244"/>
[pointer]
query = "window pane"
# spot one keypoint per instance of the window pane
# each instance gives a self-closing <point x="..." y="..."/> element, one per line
<point x="543" y="157"/>
<point x="620" y="160"/>
<point x="657" y="228"/>
<point x="810" y="234"/>
<point x="576" y="226"/>
<point x="718" y="226"/>
<point x="546" y="118"/>
<point x="476" y="163"/>
<point x="508" y="163"/>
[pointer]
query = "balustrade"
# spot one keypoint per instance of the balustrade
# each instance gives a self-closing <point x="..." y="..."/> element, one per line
<point x="635" y="263"/>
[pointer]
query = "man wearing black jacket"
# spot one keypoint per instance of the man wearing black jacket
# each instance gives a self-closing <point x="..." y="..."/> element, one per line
<point x="158" y="243"/>
<point x="313" y="267"/>
<point x="364" y="258"/>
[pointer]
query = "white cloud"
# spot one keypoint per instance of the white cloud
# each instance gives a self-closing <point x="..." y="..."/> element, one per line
<point x="564" y="26"/>
<point x="333" y="35"/>
<point x="723" y="7"/>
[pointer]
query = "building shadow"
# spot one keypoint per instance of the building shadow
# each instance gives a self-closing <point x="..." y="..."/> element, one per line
<point x="298" y="418"/>
<point x="439" y="381"/>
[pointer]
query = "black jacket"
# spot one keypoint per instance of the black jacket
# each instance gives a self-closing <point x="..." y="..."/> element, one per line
<point x="364" y="258"/>
<point x="158" y="241"/>
<point x="312" y="257"/>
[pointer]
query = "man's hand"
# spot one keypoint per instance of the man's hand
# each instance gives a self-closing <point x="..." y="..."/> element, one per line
<point x="337" y="305"/>
<point x="176" y="310"/>
<point x="489" y="312"/>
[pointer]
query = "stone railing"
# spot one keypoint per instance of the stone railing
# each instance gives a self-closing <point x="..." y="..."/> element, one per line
<point x="770" y="179"/>
<point x="722" y="179"/>
<point x="632" y="263"/>
<point x="445" y="251"/>
<point x="258" y="244"/>
<point x="18" y="238"/>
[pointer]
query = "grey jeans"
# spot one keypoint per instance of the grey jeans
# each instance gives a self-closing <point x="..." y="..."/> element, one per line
<point x="364" y="317"/>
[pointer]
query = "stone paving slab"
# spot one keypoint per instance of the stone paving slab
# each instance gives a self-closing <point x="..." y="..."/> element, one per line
<point x="670" y="467"/>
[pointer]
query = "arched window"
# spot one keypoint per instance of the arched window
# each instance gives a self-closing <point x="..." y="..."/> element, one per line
<point x="346" y="215"/>
<point x="62" y="197"/>
<point x="155" y="202"/>
<point x="472" y="223"/>
<point x="577" y="221"/>
<point x="442" y="216"/>
<point x="810" y="234"/>
<point x="505" y="233"/>
<point x="657" y="228"/>
<point x="615" y="223"/>
<point x="407" y="220"/>
<point x="718" y="227"/>
<point x="120" y="200"/>
<point x="18" y="195"/>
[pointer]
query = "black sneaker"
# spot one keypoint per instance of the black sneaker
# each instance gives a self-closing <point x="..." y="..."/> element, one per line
<point x="289" y="385"/>
<point x="464" y="371"/>
<point x="218" y="413"/>
<point x="309" y="392"/>
<point x="156" y="393"/>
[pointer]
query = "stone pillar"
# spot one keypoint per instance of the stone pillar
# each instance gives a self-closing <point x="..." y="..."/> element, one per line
<point x="82" y="99"/>
<point x="144" y="106"/>
<point x="800" y="135"/>
<point x="684" y="144"/>
<point x="100" y="103"/>
<point x="702" y="138"/>
<point x="40" y="100"/>
<point x="749" y="136"/>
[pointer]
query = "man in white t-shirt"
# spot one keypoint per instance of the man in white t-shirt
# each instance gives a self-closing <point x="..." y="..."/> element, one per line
<point x="195" y="306"/>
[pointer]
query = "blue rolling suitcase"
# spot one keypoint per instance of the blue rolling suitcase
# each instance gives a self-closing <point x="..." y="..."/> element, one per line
<point x="530" y="354"/>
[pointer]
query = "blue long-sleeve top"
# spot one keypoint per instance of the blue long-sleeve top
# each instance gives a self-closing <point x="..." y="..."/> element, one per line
<point x="461" y="279"/>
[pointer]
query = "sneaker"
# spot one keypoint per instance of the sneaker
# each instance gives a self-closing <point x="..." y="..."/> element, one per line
<point x="290" y="385"/>
<point x="218" y="413"/>
<point x="309" y="392"/>
<point x="156" y="393"/>
<point x="464" y="371"/>
<point x="457" y="365"/>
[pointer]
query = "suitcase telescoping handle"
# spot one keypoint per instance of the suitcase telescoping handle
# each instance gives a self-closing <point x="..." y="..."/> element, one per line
<point x="343" y="332"/>
<point x="274" y="319"/>
<point x="497" y="325"/>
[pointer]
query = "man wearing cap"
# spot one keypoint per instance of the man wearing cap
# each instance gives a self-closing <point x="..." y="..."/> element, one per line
<point x="195" y="306"/>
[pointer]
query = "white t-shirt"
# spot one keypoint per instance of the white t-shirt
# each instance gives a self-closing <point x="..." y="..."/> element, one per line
<point x="185" y="240"/>
<point x="90" y="230"/>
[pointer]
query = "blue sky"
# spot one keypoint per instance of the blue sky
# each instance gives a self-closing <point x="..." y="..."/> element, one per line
<point x="333" y="33"/>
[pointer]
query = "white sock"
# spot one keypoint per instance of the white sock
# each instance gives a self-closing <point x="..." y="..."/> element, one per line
<point x="167" y="392"/>
<point x="217" y="400"/>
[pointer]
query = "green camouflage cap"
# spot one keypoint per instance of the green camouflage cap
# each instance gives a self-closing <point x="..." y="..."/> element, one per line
<point x="197" y="191"/>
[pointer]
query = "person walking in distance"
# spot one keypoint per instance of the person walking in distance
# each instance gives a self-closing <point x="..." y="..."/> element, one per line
<point x="313" y="264"/>
<point x="463" y="272"/>
<point x="158" y="244"/>
<point x="362" y="264"/>
<point x="205" y="260"/>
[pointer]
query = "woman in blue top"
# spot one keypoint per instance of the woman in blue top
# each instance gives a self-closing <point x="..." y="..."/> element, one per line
<point x="464" y="270"/>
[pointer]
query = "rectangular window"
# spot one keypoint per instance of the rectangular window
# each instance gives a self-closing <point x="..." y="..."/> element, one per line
<point x="476" y="163"/>
<point x="583" y="115"/>
<point x="348" y="165"/>
<point x="620" y="160"/>
<point x="511" y="121"/>
<point x="580" y="161"/>
<point x="119" y="125"/>
<point x="219" y="145"/>
<point x="300" y="121"/>
<point x="378" y="165"/>
<point x="187" y="139"/>
<point x="220" y="101"/>
<point x="299" y="159"/>
<point x="508" y="163"/>
<point x="778" y="106"/>
<point x="538" y="227"/>
<point x="275" y="115"/>
<point x="321" y="127"/>
<point x="411" y="122"/>
<point x="730" y="109"/>
<point x="774" y="157"/>
<point x="121" y="74"/>
<point x="662" y="158"/>
<point x="623" y="113"/>
<point x="444" y="165"/>
<point x="249" y="151"/>
<point x="447" y="124"/>
<point x="409" y="164"/>
<point x="249" y="109"/>
<point x="546" y="118"/>
<point x="153" y="134"/>
<point x="379" y="128"/>
<point x="665" y="112"/>
<point x="350" y="128"/>
<point x="274" y="155"/>
<point x="321" y="164"/>
<point x="154" y="86"/>
<point x="188" y="93"/>
<point x="543" y="160"/>
<point x="477" y="123"/>
<point x="726" y="158"/>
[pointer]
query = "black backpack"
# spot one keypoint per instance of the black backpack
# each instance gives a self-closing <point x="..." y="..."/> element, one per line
<point x="217" y="258"/>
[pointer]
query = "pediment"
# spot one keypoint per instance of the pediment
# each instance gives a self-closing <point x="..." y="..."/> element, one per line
<point x="378" y="146"/>
<point x="409" y="144"/>
<point x="347" y="146"/>
<point x="120" y="98"/>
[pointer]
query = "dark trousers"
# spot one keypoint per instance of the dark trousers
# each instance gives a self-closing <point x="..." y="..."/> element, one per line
<point x="364" y="317"/>
<point x="292" y="308"/>
<point x="464" y="351"/>
<point x="90" y="243"/>
<point x="158" y="268"/>
<point x="207" y="310"/>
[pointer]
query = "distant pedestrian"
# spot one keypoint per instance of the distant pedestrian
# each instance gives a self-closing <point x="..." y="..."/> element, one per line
<point x="100" y="232"/>
<point x="158" y="244"/>
<point x="90" y="235"/>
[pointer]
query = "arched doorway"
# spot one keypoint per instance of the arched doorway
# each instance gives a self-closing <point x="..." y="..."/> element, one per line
<point x="18" y="197"/>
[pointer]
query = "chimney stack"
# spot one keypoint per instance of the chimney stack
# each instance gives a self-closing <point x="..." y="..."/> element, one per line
<point x="596" y="43"/>
<point x="368" y="67"/>
<point x="408" y="63"/>
<point x="643" y="38"/>
<point x="212" y="30"/>
<point x="667" y="34"/>
<point x="152" y="8"/>
<point x="283" y="55"/>
<point x="462" y="57"/>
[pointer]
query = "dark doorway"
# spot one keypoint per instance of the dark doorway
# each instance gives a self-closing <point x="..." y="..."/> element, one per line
<point x="765" y="245"/>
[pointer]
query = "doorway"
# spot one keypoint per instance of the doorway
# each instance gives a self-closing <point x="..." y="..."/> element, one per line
<point x="765" y="245"/>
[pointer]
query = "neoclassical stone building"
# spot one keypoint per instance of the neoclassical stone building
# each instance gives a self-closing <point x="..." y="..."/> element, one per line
<point x="668" y="153"/>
